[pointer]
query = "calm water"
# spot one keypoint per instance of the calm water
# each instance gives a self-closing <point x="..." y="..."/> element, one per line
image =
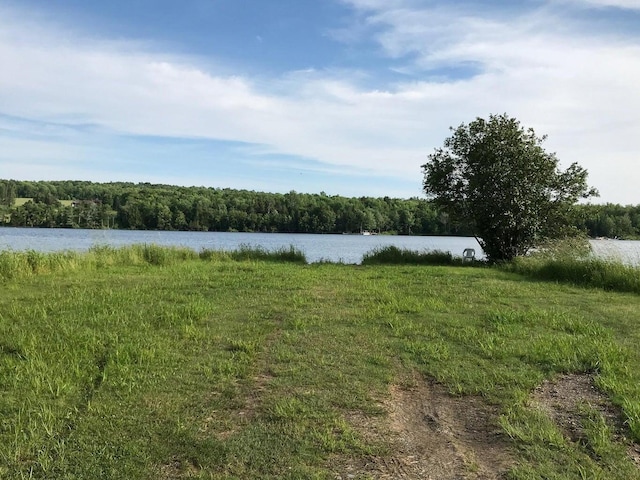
<point x="345" y="248"/>
<point x="626" y="251"/>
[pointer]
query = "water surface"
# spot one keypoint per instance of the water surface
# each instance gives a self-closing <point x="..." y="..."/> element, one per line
<point x="344" y="248"/>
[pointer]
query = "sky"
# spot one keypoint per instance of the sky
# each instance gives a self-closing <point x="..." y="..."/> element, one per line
<point x="346" y="97"/>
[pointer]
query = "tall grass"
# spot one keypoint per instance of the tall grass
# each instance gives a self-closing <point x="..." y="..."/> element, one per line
<point x="20" y="264"/>
<point x="247" y="252"/>
<point x="572" y="261"/>
<point x="592" y="272"/>
<point x="213" y="368"/>
<point x="105" y="255"/>
<point x="250" y="253"/>
<point x="392" y="255"/>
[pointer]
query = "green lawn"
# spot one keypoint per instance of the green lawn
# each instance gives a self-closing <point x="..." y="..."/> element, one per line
<point x="220" y="368"/>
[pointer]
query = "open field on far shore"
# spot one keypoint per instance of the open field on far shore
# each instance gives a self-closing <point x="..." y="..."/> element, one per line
<point x="165" y="364"/>
<point x="18" y="202"/>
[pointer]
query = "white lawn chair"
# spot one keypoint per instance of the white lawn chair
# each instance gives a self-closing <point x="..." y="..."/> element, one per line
<point x="468" y="255"/>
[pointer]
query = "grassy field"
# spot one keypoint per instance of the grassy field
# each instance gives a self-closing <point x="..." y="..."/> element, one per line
<point x="151" y="363"/>
<point x="18" y="202"/>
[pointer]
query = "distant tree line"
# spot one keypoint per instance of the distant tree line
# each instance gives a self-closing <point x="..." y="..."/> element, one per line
<point x="608" y="220"/>
<point x="144" y="206"/>
<point x="80" y="204"/>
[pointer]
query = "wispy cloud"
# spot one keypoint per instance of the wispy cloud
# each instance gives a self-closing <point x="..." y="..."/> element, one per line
<point x="554" y="74"/>
<point x="624" y="4"/>
<point x="579" y="88"/>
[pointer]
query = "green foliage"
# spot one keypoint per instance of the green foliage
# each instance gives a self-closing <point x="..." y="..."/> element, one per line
<point x="7" y="193"/>
<point x="609" y="220"/>
<point x="71" y="204"/>
<point x="495" y="176"/>
<point x="392" y="255"/>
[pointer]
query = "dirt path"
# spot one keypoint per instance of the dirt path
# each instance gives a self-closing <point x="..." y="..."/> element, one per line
<point x="433" y="436"/>
<point x="562" y="399"/>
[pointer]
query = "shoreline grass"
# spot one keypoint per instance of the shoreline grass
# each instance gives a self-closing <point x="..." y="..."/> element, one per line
<point x="216" y="366"/>
<point x="21" y="264"/>
<point x="588" y="272"/>
<point x="392" y="255"/>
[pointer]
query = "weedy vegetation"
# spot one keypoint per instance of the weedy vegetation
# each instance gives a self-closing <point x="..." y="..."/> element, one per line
<point x="148" y="362"/>
<point x="590" y="272"/>
<point x="392" y="255"/>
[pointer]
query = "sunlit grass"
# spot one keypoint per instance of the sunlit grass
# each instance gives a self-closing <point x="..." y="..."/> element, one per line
<point x="145" y="362"/>
<point x="22" y="264"/>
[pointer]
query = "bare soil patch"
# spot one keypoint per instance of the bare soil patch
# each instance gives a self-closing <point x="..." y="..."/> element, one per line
<point x="178" y="469"/>
<point x="563" y="398"/>
<point x="433" y="435"/>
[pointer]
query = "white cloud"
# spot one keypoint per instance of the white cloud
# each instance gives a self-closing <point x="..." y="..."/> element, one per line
<point x="625" y="4"/>
<point x="578" y="88"/>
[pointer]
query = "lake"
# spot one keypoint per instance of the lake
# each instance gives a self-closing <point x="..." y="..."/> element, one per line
<point x="344" y="248"/>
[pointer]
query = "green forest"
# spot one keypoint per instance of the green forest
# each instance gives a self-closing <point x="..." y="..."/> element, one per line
<point x="144" y="206"/>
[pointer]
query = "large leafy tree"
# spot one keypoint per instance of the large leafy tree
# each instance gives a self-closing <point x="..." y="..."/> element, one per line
<point x="494" y="175"/>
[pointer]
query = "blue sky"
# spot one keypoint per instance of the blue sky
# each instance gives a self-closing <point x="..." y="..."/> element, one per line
<point x="348" y="97"/>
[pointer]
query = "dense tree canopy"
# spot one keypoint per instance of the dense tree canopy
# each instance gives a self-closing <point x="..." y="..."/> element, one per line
<point x="495" y="176"/>
<point x="162" y="207"/>
<point x="74" y="204"/>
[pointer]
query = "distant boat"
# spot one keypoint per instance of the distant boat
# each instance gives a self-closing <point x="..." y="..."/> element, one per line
<point x="361" y="232"/>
